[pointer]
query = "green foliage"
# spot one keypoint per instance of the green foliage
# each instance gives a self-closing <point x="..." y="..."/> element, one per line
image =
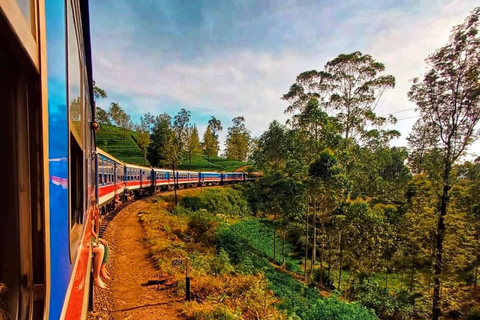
<point x="390" y="305"/>
<point x="250" y="240"/>
<point x="473" y="314"/>
<point x="219" y="313"/>
<point x="111" y="139"/>
<point x="202" y="226"/>
<point x="238" y="140"/>
<point x="200" y="162"/>
<point x="226" y="201"/>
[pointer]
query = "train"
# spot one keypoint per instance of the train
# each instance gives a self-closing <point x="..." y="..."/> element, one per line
<point x="118" y="181"/>
<point x="54" y="177"/>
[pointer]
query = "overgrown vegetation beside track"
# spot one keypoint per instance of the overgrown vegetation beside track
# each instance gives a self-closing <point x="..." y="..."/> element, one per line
<point x="234" y="273"/>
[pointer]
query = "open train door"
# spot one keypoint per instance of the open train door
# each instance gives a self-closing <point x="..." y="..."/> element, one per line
<point x="22" y="163"/>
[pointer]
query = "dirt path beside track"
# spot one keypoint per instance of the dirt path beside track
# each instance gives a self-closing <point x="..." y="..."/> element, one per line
<point x="130" y="266"/>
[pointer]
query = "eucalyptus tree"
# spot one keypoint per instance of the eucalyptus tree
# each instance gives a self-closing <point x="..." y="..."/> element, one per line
<point x="98" y="93"/>
<point x="210" y="144"/>
<point x="238" y="140"/>
<point x="448" y="98"/>
<point x="161" y="131"/>
<point x="102" y="116"/>
<point x="120" y="117"/>
<point x="193" y="143"/>
<point x="143" y="129"/>
<point x="181" y="122"/>
<point x="327" y="185"/>
<point x="349" y="88"/>
<point x="271" y="152"/>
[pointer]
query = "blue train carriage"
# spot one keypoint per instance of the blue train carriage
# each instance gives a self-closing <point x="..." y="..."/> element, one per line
<point x="210" y="178"/>
<point x="138" y="180"/>
<point x="47" y="158"/>
<point x="233" y="177"/>
<point x="110" y="181"/>
<point x="163" y="179"/>
<point x="181" y="178"/>
<point x="193" y="179"/>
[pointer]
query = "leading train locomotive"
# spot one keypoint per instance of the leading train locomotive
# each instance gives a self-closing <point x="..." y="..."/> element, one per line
<point x="53" y="175"/>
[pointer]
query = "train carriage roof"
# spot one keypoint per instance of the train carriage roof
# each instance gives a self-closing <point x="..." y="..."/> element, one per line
<point x="106" y="155"/>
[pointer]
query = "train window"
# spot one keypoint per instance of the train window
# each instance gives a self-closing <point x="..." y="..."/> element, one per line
<point x="76" y="118"/>
<point x="76" y="194"/>
<point x="74" y="79"/>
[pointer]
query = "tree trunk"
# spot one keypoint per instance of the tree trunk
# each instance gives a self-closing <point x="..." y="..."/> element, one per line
<point x="283" y="249"/>
<point x="413" y="272"/>
<point x="306" y="242"/>
<point x="274" y="239"/>
<point x="476" y="269"/>
<point x="321" y="253"/>
<point x="339" y="261"/>
<point x="314" y="244"/>
<point x="403" y="271"/>
<point x="386" y="268"/>
<point x="439" y="240"/>
<point x="476" y="275"/>
<point x="189" y="161"/>
<point x="175" y="184"/>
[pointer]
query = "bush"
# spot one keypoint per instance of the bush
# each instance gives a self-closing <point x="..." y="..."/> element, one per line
<point x="473" y="314"/>
<point x="219" y="312"/>
<point x="227" y="201"/>
<point x="202" y="226"/>
<point x="386" y="304"/>
<point x="326" y="280"/>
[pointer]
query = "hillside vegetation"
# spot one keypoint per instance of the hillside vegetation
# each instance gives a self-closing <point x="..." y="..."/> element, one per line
<point x="111" y="139"/>
<point x="123" y="147"/>
<point x="234" y="275"/>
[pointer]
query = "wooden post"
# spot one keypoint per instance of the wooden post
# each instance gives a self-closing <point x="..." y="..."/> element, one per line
<point x="187" y="278"/>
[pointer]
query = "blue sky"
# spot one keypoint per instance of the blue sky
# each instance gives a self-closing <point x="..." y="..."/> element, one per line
<point x="237" y="58"/>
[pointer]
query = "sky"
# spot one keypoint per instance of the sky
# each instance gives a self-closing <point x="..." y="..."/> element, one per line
<point x="229" y="58"/>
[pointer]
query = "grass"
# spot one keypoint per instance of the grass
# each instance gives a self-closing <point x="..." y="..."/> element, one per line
<point x="199" y="162"/>
<point x="123" y="147"/>
<point x="112" y="140"/>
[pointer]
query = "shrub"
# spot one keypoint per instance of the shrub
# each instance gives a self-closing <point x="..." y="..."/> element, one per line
<point x="227" y="201"/>
<point x="218" y="312"/>
<point x="386" y="304"/>
<point x="326" y="280"/>
<point x="473" y="314"/>
<point x="202" y="226"/>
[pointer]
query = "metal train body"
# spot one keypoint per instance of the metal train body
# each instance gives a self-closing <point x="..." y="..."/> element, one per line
<point x="119" y="181"/>
<point x="54" y="176"/>
<point x="48" y="158"/>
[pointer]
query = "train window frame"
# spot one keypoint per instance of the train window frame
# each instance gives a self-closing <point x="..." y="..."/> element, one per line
<point x="73" y="34"/>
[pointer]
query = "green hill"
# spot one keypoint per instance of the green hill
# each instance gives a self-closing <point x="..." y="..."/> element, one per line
<point x="200" y="163"/>
<point x="112" y="140"/>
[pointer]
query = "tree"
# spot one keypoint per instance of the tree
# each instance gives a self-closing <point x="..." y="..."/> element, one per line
<point x="350" y="87"/>
<point x="180" y="125"/>
<point x="210" y="146"/>
<point x="238" y="140"/>
<point x="160" y="134"/>
<point x="215" y="125"/>
<point x="102" y="116"/>
<point x="143" y="140"/>
<point x="120" y="117"/>
<point x="448" y="100"/>
<point x="270" y="154"/>
<point x="193" y="143"/>
<point x="98" y="93"/>
<point x="327" y="185"/>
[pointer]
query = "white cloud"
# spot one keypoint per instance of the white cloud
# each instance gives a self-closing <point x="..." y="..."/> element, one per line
<point x="248" y="83"/>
